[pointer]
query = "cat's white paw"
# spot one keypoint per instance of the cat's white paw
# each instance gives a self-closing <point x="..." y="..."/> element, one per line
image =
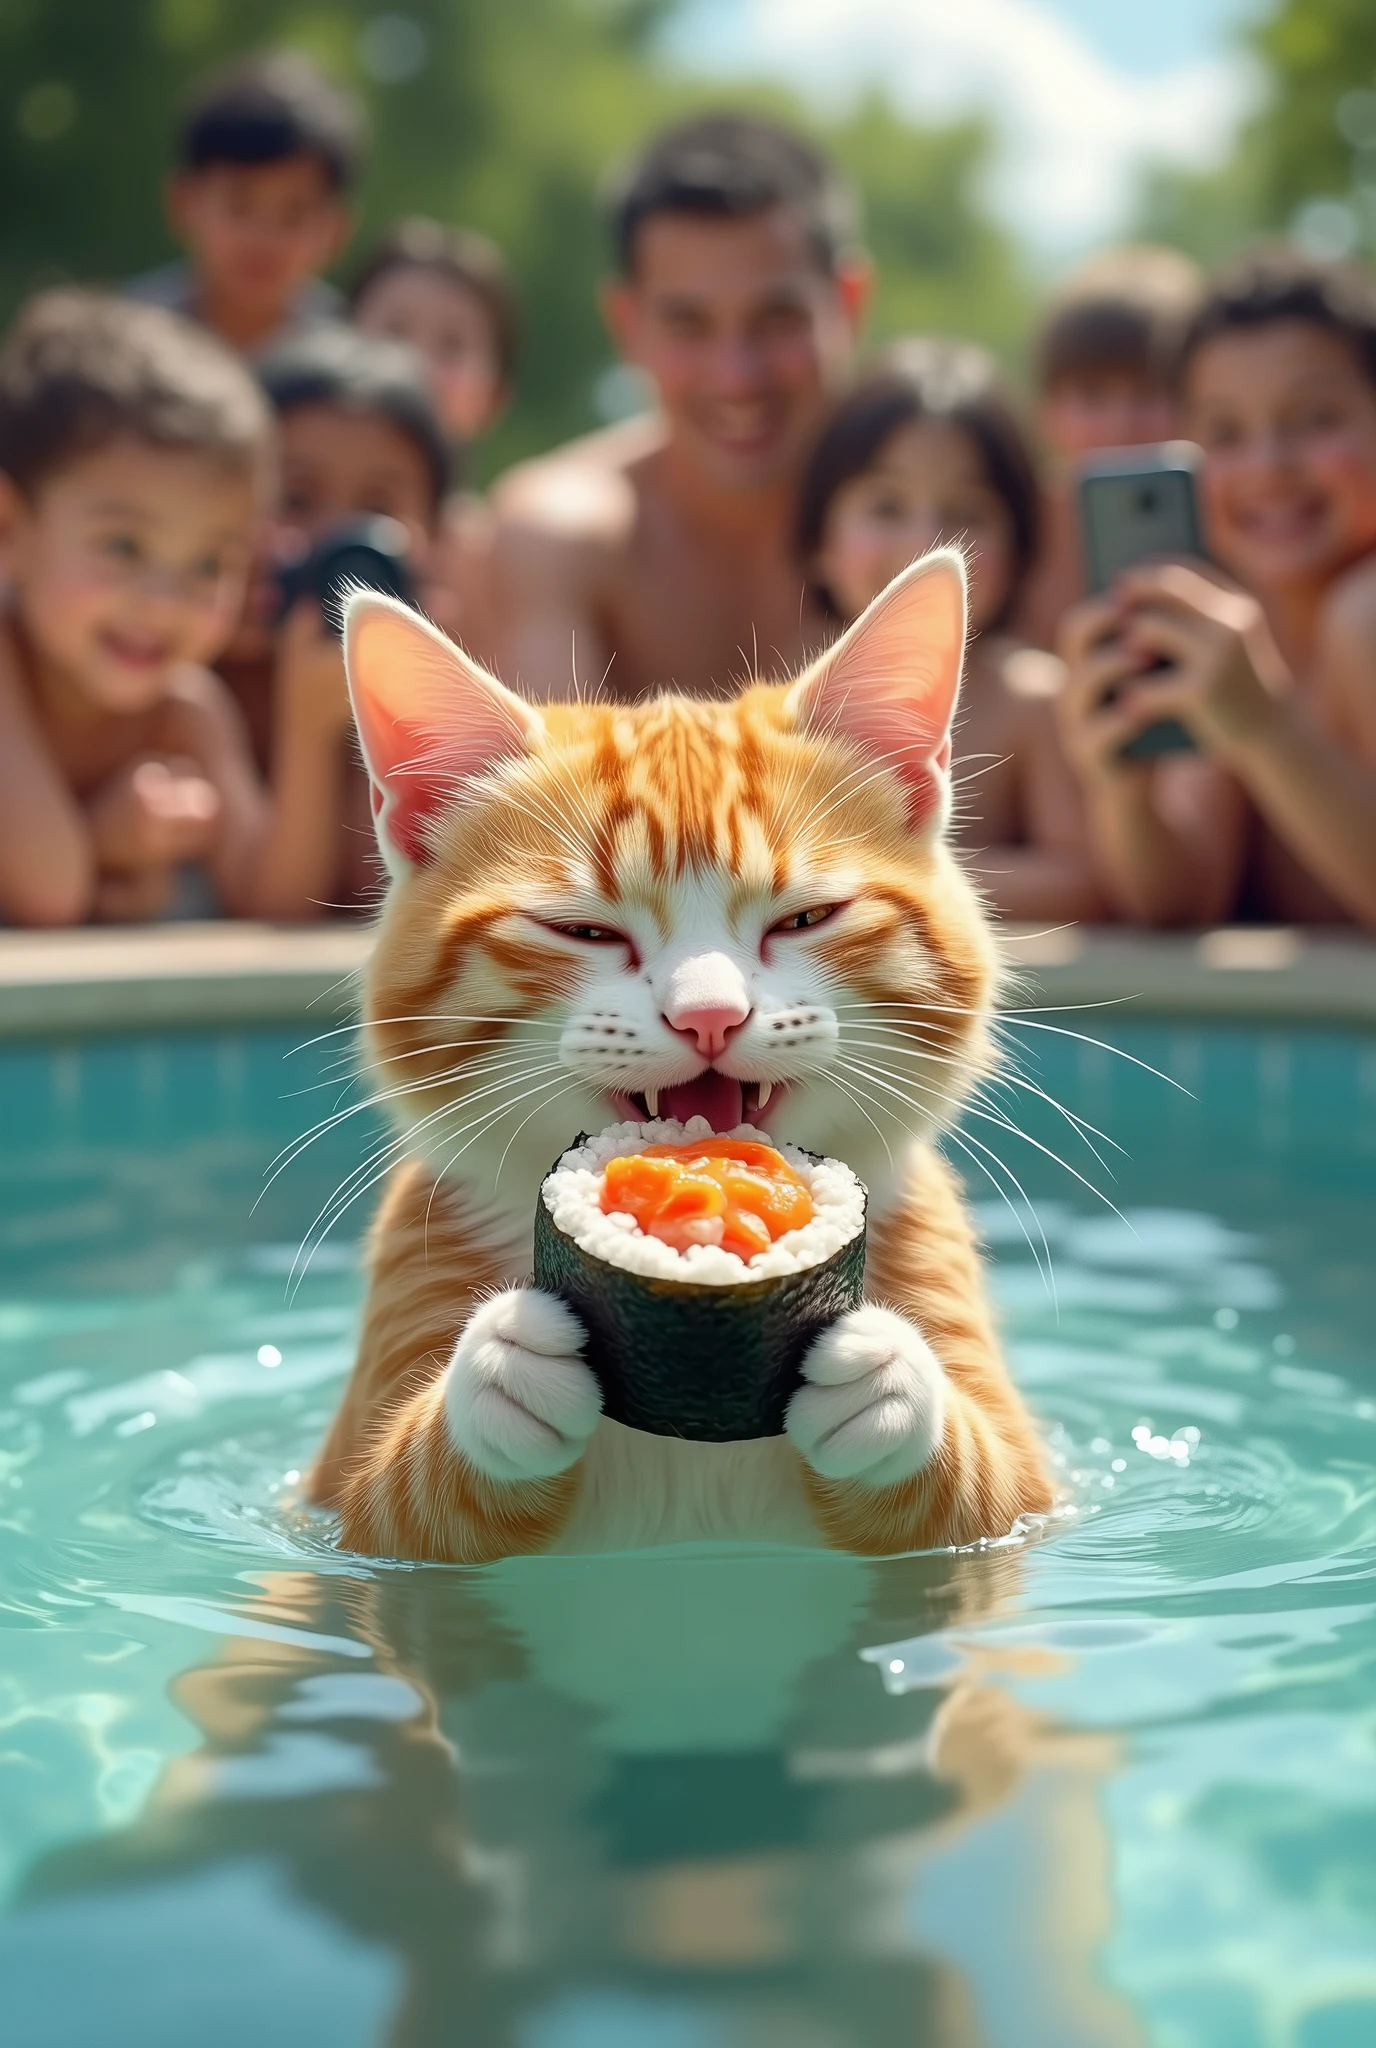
<point x="871" y="1404"/>
<point x="519" y="1401"/>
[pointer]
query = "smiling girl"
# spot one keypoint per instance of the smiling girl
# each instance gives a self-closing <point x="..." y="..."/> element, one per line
<point x="1269" y="659"/>
<point x="926" y="451"/>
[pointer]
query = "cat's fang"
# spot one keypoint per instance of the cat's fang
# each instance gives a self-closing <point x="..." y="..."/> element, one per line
<point x="652" y="1102"/>
<point x="766" y="1089"/>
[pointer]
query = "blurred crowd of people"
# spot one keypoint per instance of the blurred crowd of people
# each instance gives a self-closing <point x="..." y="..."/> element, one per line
<point x="189" y="470"/>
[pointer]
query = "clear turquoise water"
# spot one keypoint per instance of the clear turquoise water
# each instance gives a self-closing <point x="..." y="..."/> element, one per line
<point x="1117" y="1786"/>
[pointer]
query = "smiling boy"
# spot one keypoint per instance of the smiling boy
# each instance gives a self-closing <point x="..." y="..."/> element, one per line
<point x="1270" y="660"/>
<point x="134" y="454"/>
<point x="259" y="199"/>
<point x="661" y="551"/>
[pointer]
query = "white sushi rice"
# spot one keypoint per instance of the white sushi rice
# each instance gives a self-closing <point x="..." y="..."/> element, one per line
<point x="573" y="1196"/>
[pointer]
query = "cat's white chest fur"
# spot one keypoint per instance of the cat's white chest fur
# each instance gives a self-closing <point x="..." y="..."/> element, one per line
<point x="638" y="1491"/>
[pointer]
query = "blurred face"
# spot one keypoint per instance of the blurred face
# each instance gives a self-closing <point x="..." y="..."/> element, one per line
<point x="335" y="465"/>
<point x="1287" y="422"/>
<point x="744" y="333"/>
<point x="1108" y="409"/>
<point x="450" y="328"/>
<point x="128" y="563"/>
<point x="926" y="486"/>
<point x="258" y="232"/>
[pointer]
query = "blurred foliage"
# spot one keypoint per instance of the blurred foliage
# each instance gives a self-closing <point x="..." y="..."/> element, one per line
<point x="501" y="113"/>
<point x="1208" y="214"/>
<point x="1312" y="140"/>
<point x="1317" y="52"/>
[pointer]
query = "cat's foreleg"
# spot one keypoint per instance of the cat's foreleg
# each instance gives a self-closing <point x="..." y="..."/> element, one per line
<point x="897" y="1455"/>
<point x="481" y="1462"/>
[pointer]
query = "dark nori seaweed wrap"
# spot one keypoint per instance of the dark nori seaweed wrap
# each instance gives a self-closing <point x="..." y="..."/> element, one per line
<point x="716" y="1364"/>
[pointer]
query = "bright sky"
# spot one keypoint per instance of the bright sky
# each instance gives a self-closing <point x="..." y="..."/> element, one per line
<point x="1081" y="91"/>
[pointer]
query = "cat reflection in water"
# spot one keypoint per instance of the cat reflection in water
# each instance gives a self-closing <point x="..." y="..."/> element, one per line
<point x="744" y="909"/>
<point x="656" y="1784"/>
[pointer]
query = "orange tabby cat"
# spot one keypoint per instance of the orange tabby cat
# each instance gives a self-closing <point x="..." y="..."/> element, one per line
<point x="744" y="910"/>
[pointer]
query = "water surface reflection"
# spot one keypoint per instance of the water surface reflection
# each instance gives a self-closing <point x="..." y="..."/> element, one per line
<point x="639" y="1798"/>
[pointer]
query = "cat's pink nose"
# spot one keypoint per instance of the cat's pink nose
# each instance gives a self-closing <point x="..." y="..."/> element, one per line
<point x="706" y="1000"/>
<point x="709" y="1029"/>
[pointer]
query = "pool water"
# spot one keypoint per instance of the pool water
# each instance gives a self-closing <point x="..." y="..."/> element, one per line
<point x="1116" y="1785"/>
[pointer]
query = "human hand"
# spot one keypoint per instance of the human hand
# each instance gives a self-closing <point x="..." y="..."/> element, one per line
<point x="1097" y="710"/>
<point x="310" y="671"/>
<point x="1223" y="675"/>
<point x="152" y="814"/>
<point x="1168" y="642"/>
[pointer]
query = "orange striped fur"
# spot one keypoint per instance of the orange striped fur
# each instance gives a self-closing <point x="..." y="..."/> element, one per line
<point x="495" y="1037"/>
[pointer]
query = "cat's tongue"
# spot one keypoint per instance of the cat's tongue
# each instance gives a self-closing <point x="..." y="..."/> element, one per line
<point x="713" y="1095"/>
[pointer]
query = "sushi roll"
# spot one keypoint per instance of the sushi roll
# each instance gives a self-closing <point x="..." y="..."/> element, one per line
<point x="702" y="1266"/>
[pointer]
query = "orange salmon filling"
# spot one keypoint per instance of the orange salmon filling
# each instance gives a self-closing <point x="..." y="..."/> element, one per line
<point x="730" y="1192"/>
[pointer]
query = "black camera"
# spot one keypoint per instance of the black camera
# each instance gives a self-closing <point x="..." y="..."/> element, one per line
<point x="369" y="553"/>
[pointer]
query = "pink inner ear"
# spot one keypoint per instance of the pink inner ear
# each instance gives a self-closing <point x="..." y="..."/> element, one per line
<point x="891" y="682"/>
<point x="411" y="802"/>
<point x="429" y="719"/>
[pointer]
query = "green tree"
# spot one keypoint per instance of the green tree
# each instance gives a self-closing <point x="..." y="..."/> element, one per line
<point x="1306" y="157"/>
<point x="943" y="265"/>
<point x="502" y="113"/>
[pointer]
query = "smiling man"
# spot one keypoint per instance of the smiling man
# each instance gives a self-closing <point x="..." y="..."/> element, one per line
<point x="660" y="551"/>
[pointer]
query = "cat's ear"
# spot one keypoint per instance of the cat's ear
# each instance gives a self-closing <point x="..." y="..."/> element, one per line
<point x="890" y="682"/>
<point x="429" y="718"/>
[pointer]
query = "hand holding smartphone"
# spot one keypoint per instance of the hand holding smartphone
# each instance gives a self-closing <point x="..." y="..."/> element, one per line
<point x="1138" y="505"/>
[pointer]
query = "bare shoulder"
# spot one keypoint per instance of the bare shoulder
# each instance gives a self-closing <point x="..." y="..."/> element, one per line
<point x="585" y="494"/>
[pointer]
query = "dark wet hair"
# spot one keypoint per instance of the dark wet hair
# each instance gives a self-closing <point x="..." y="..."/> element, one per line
<point x="267" y="108"/>
<point x="80" y="370"/>
<point x="360" y="373"/>
<point x="1279" y="282"/>
<point x="1123" y="311"/>
<point x="463" y="257"/>
<point x="725" y="167"/>
<point x="952" y="382"/>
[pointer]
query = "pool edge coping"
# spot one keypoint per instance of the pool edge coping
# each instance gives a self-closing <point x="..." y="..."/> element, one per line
<point x="206" y="976"/>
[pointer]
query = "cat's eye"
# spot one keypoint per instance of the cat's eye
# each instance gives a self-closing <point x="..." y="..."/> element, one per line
<point x="590" y="934"/>
<point x="806" y="920"/>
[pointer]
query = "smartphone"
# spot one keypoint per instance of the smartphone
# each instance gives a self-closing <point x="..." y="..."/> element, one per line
<point x="1139" y="505"/>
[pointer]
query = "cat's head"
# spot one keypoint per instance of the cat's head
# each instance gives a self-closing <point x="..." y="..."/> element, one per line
<point x="744" y="909"/>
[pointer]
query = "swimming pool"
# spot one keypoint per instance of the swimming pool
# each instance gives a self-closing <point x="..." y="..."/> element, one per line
<point x="1117" y="1786"/>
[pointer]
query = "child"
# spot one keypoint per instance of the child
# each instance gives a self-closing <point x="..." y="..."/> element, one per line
<point x="1103" y="364"/>
<point x="448" y="294"/>
<point x="133" y="461"/>
<point x="1271" y="659"/>
<point x="268" y="153"/>
<point x="358" y="435"/>
<point x="927" y="450"/>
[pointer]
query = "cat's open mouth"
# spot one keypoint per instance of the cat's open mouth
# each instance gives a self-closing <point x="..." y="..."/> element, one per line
<point x="721" y="1098"/>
